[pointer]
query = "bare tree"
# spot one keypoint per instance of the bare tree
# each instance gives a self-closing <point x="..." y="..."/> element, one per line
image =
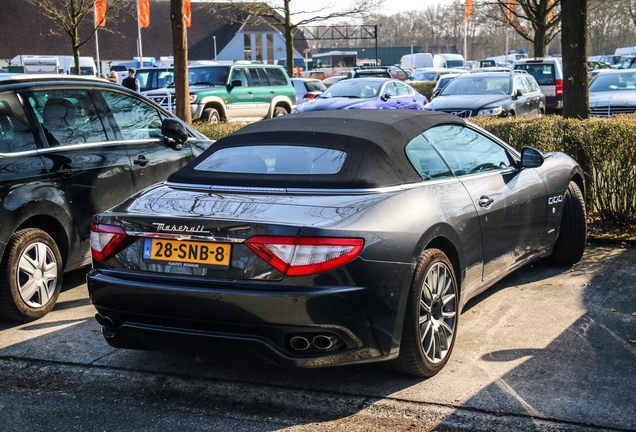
<point x="537" y="21"/>
<point x="71" y="14"/>
<point x="180" y="50"/>
<point x="282" y="15"/>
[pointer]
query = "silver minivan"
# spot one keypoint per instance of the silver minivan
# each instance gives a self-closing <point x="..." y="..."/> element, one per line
<point x="549" y="75"/>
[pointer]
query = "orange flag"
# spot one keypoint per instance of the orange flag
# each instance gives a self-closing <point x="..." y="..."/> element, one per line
<point x="144" y="13"/>
<point x="469" y="9"/>
<point x="511" y="5"/>
<point x="100" y="11"/>
<point x="188" y="14"/>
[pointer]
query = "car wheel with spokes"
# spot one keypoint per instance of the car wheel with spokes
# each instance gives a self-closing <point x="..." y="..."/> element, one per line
<point x="31" y="276"/>
<point x="211" y="115"/>
<point x="430" y="322"/>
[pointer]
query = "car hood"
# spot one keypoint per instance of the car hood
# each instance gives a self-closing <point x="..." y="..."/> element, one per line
<point x="466" y="101"/>
<point x="613" y="98"/>
<point x="335" y="103"/>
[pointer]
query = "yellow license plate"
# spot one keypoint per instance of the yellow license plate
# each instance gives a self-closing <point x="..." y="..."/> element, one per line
<point x="190" y="252"/>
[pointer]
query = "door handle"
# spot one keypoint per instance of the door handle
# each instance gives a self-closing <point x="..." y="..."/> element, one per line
<point x="485" y="201"/>
<point x="141" y="160"/>
<point x="66" y="172"/>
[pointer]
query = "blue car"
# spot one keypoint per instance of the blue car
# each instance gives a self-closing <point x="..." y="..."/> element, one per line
<point x="366" y="93"/>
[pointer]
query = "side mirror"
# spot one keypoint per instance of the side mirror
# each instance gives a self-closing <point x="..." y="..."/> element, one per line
<point x="173" y="128"/>
<point x="518" y="93"/>
<point x="531" y="158"/>
<point x="236" y="83"/>
<point x="386" y="96"/>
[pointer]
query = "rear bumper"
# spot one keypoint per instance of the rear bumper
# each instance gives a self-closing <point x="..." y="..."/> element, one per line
<point x="554" y="103"/>
<point x="270" y="321"/>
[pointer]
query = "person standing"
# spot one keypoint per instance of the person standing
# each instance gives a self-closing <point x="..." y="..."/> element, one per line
<point x="130" y="81"/>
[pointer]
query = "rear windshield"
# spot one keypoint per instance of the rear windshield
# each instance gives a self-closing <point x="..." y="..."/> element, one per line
<point x="542" y="72"/>
<point x="274" y="159"/>
<point x="315" y="86"/>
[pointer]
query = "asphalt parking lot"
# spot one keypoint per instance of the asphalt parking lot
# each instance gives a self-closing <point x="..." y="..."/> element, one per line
<point x="544" y="349"/>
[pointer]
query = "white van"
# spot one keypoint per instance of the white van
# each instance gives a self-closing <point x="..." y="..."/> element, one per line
<point x="625" y="51"/>
<point x="40" y="65"/>
<point x="449" y="61"/>
<point x="87" y="66"/>
<point x="416" y="60"/>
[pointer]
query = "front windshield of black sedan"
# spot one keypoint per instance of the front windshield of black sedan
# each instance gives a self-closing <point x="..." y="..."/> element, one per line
<point x="605" y="82"/>
<point x="354" y="88"/>
<point x="477" y="85"/>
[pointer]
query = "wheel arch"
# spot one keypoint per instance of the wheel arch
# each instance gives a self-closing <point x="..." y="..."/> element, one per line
<point x="216" y="103"/>
<point x="446" y="245"/>
<point x="280" y="101"/>
<point x="52" y="227"/>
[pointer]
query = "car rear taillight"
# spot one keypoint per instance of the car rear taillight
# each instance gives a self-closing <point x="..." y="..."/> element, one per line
<point x="559" y="87"/>
<point x="298" y="256"/>
<point x="309" y="96"/>
<point x="106" y="240"/>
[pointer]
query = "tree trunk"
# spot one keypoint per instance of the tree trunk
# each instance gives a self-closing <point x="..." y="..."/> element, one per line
<point x="574" y="47"/>
<point x="289" y="40"/>
<point x="576" y="103"/>
<point x="180" y="50"/>
<point x="539" y="41"/>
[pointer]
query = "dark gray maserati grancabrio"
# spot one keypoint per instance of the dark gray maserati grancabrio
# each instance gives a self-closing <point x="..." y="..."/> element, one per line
<point x="331" y="237"/>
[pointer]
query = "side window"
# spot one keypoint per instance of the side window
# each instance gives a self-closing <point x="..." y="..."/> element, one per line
<point x="426" y="160"/>
<point x="519" y="85"/>
<point x="402" y="89"/>
<point x="263" y="77"/>
<point x="67" y="116"/>
<point x="466" y="151"/>
<point x="135" y="119"/>
<point x="276" y="77"/>
<point x="239" y="74"/>
<point x="15" y="134"/>
<point x="390" y="88"/>
<point x="256" y="80"/>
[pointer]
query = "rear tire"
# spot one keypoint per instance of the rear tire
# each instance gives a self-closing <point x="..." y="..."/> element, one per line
<point x="211" y="115"/>
<point x="30" y="276"/>
<point x="280" y="111"/>
<point x="570" y="244"/>
<point x="430" y="321"/>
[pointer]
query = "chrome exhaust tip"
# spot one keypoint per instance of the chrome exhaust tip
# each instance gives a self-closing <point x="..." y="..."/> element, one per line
<point x="299" y="343"/>
<point x="324" y="342"/>
<point x="100" y="319"/>
<point x="108" y="323"/>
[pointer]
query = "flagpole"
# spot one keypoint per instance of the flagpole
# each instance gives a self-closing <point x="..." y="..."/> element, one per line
<point x="99" y="68"/>
<point x="465" y="40"/>
<point x="139" y="50"/>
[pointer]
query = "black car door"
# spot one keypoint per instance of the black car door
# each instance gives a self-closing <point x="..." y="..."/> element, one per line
<point x="511" y="203"/>
<point x="92" y="172"/>
<point x="137" y="129"/>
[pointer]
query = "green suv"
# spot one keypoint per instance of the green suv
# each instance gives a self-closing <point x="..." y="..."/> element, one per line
<point x="234" y="92"/>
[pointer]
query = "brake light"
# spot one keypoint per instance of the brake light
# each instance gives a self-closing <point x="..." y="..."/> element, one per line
<point x="106" y="240"/>
<point x="559" y="87"/>
<point x="299" y="256"/>
<point x="309" y="96"/>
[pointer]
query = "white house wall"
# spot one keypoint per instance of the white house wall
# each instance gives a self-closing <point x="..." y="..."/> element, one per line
<point x="235" y="49"/>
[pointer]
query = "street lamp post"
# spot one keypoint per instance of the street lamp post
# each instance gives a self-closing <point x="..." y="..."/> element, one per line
<point x="412" y="59"/>
<point x="214" y="38"/>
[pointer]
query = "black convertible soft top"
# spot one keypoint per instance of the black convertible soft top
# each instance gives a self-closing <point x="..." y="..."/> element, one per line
<point x="374" y="141"/>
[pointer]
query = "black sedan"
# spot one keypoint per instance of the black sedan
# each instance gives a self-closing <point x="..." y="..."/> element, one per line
<point x="71" y="147"/>
<point x="501" y="94"/>
<point x="331" y="237"/>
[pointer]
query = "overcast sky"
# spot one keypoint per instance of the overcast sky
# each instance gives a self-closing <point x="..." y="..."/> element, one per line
<point x="390" y="6"/>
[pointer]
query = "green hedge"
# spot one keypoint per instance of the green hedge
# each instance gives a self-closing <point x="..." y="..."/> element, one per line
<point x="424" y="88"/>
<point x="608" y="144"/>
<point x="608" y="157"/>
